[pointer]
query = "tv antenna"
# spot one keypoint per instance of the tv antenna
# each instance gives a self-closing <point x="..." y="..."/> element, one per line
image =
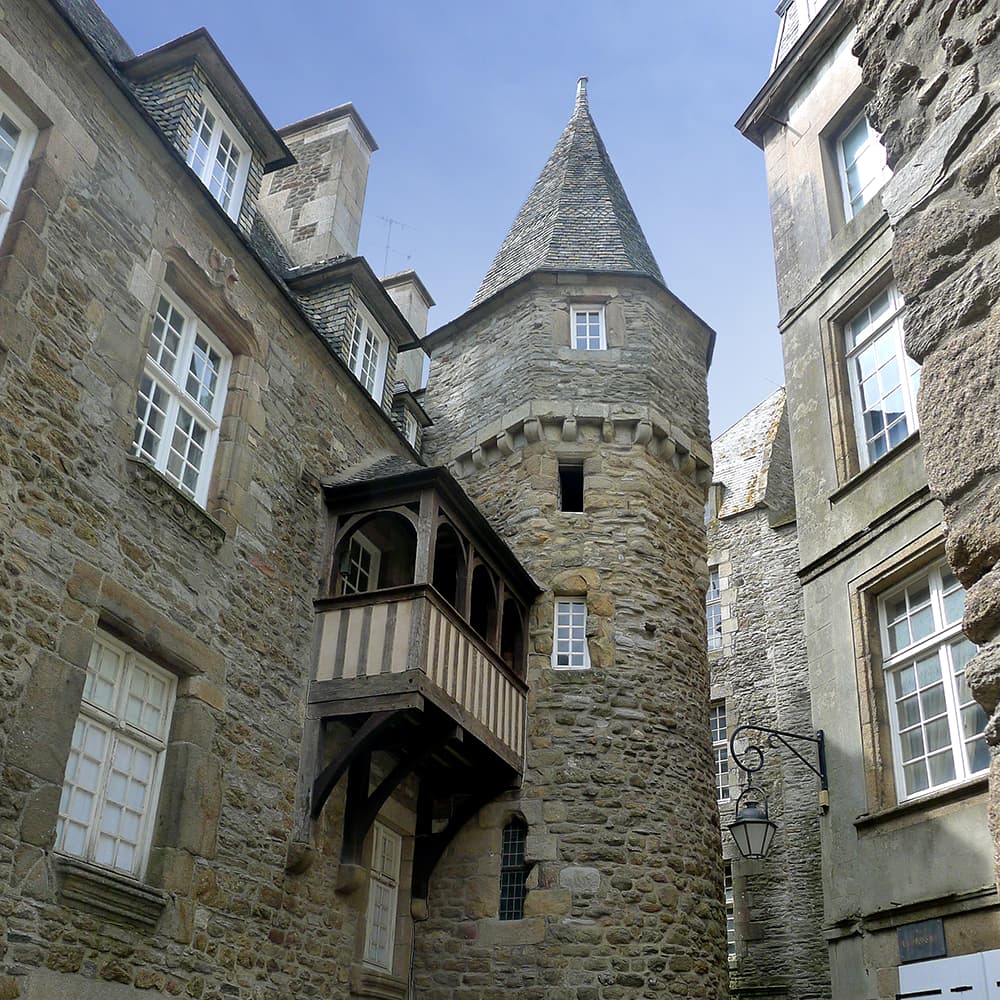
<point x="390" y="222"/>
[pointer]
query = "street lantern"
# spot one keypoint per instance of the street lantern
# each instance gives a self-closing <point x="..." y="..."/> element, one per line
<point x="752" y="829"/>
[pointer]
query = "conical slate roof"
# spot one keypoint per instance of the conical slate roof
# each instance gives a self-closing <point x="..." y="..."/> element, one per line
<point x="577" y="217"/>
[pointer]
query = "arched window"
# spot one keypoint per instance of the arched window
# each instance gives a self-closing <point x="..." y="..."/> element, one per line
<point x="513" y="870"/>
<point x="483" y="610"/>
<point x="512" y="636"/>
<point x="449" y="566"/>
<point x="380" y="552"/>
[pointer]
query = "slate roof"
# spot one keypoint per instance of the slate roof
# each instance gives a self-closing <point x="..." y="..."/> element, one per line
<point x="742" y="456"/>
<point x="381" y="467"/>
<point x="577" y="217"/>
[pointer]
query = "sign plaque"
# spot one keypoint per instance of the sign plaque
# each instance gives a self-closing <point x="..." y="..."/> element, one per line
<point x="921" y="941"/>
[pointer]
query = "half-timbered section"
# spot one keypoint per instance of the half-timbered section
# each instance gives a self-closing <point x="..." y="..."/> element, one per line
<point x="419" y="655"/>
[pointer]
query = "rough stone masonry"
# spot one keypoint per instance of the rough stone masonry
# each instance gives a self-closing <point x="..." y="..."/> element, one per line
<point x="933" y="67"/>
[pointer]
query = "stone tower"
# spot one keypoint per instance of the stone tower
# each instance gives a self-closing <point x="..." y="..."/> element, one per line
<point x="570" y="403"/>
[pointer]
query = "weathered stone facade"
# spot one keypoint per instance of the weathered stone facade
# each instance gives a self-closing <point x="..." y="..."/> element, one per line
<point x="934" y="71"/>
<point x="870" y="530"/>
<point x="92" y="539"/>
<point x="624" y="896"/>
<point x="760" y="677"/>
<point x="263" y="878"/>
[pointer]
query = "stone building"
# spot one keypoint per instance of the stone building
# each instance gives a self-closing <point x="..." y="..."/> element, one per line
<point x="910" y="900"/>
<point x="934" y="72"/>
<point x="570" y="403"/>
<point x="757" y="656"/>
<point x="287" y="709"/>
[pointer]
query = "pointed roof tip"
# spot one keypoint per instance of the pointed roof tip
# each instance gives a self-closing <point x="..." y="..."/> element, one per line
<point x="577" y="216"/>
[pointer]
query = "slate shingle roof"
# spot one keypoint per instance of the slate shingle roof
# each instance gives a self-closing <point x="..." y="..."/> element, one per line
<point x="577" y="217"/>
<point x="380" y="467"/>
<point x="742" y="456"/>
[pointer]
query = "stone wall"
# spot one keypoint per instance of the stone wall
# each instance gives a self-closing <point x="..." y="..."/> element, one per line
<point x="221" y="597"/>
<point x="933" y="69"/>
<point x="625" y="889"/>
<point x="762" y="673"/>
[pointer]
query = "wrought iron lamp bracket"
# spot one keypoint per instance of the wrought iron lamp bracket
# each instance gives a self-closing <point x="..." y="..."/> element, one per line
<point x="751" y="759"/>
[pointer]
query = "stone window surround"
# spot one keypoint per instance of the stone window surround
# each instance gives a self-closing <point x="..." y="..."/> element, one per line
<point x="205" y="292"/>
<point x="722" y="562"/>
<point x="11" y="186"/>
<point x="580" y="306"/>
<point x="876" y="737"/>
<point x="829" y="142"/>
<point x="367" y="980"/>
<point x="833" y="325"/>
<point x="561" y="327"/>
<point x="186" y="826"/>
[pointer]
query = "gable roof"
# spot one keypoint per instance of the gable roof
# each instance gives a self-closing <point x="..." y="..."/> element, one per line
<point x="742" y="456"/>
<point x="577" y="217"/>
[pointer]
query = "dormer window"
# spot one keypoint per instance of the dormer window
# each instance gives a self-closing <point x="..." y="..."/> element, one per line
<point x="219" y="156"/>
<point x="367" y="355"/>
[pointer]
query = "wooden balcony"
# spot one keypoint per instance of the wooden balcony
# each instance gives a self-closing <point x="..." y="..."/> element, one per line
<point x="403" y="647"/>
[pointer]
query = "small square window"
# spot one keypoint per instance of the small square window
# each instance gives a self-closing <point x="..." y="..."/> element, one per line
<point x="569" y="648"/>
<point x="571" y="488"/>
<point x="861" y="163"/>
<point x="587" y="328"/>
<point x="219" y="156"/>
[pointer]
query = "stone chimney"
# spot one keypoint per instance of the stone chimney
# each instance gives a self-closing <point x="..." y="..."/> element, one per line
<point x="315" y="205"/>
<point x="414" y="302"/>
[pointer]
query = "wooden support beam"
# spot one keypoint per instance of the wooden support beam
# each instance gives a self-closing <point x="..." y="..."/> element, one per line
<point x="361" y="743"/>
<point x="363" y="808"/>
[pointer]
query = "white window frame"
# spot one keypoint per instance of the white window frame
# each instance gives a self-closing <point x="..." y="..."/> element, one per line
<point x="109" y="714"/>
<point x="713" y="610"/>
<point x="223" y="128"/>
<point x="945" y="606"/>
<point x="178" y="401"/>
<point x="570" y="649"/>
<point x="23" y="146"/>
<point x="410" y="427"/>
<point x="720" y="749"/>
<point x="348" y="584"/>
<point x="365" y="332"/>
<point x="383" y="887"/>
<point x="863" y="333"/>
<point x="871" y="148"/>
<point x="602" y="336"/>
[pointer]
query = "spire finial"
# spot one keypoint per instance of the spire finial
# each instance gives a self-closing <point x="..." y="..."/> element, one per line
<point x="581" y="94"/>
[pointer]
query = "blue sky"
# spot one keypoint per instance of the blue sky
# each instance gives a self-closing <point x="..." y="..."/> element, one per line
<point x="466" y="100"/>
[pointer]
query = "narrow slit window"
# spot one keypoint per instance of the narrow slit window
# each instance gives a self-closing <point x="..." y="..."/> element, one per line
<point x="571" y="488"/>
